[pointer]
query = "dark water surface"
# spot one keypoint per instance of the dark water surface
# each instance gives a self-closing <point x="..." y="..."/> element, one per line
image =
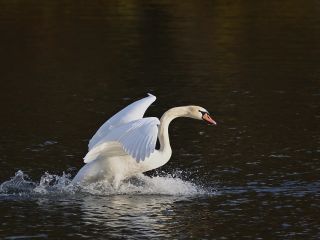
<point x="66" y="67"/>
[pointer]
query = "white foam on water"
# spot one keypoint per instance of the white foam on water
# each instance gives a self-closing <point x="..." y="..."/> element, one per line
<point x="50" y="184"/>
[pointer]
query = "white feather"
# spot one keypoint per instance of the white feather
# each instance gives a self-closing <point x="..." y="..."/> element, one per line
<point x="138" y="139"/>
<point x="132" y="112"/>
<point x="108" y="148"/>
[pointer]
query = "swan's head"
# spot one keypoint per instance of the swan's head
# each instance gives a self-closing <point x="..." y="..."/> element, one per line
<point x="200" y="113"/>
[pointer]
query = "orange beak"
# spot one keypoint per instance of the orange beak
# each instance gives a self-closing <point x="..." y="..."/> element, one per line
<point x="206" y="117"/>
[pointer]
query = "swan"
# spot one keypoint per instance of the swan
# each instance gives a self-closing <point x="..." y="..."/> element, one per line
<point x="125" y="145"/>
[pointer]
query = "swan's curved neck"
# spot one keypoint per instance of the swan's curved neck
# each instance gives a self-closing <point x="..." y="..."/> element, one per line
<point x="165" y="120"/>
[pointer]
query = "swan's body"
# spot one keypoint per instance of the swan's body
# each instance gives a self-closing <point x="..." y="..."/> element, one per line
<point x="124" y="146"/>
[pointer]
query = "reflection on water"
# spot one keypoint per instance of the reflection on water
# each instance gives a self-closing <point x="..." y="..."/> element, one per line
<point x="142" y="215"/>
<point x="67" y="67"/>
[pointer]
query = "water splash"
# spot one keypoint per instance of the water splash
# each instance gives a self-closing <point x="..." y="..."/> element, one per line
<point x="50" y="184"/>
<point x="22" y="185"/>
<point x="17" y="184"/>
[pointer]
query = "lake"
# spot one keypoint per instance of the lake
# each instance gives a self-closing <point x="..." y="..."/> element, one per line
<point x="66" y="67"/>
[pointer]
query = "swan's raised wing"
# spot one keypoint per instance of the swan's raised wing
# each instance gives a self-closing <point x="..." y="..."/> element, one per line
<point x="137" y="138"/>
<point x="130" y="113"/>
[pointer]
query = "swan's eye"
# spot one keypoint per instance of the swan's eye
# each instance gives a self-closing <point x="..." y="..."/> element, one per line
<point x="202" y="112"/>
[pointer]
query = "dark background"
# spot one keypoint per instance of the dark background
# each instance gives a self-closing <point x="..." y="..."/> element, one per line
<point x="66" y="67"/>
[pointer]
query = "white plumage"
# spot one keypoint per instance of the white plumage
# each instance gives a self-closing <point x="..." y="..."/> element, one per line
<point x="138" y="139"/>
<point x="125" y="144"/>
<point x="132" y="112"/>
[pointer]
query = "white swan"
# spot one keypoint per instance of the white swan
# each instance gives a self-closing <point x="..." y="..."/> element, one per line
<point x="124" y="146"/>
